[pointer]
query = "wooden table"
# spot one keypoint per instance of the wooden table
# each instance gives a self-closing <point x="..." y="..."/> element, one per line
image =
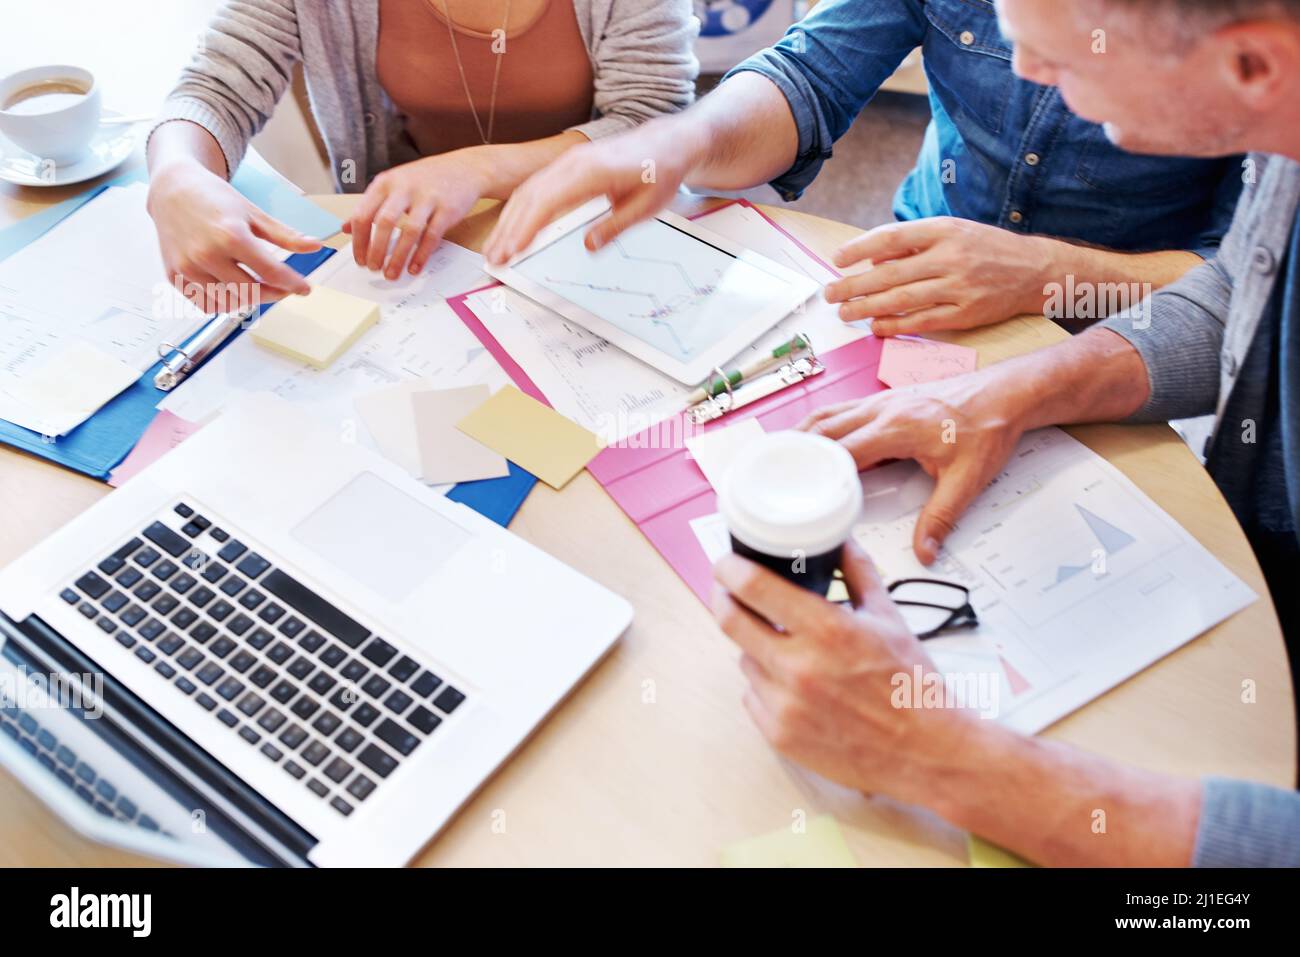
<point x="653" y="760"/>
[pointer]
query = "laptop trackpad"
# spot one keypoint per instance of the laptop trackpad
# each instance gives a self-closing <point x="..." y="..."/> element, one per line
<point x="380" y="536"/>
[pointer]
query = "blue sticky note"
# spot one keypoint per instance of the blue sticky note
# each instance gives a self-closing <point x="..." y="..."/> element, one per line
<point x="497" y="498"/>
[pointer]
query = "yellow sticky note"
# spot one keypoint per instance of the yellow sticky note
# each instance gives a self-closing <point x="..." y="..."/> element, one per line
<point x="984" y="854"/>
<point x="819" y="844"/>
<point x="315" y="329"/>
<point x="532" y="435"/>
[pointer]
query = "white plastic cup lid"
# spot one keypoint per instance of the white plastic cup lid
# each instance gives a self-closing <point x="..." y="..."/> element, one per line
<point x="791" y="492"/>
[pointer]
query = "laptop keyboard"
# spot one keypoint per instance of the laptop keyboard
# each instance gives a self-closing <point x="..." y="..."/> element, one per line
<point x="61" y="761"/>
<point x="335" y="707"/>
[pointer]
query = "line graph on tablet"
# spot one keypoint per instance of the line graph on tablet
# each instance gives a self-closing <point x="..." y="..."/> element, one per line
<point x="657" y="283"/>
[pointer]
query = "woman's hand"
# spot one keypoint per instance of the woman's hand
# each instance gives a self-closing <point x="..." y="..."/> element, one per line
<point x="941" y="273"/>
<point x="638" y="171"/>
<point x="419" y="201"/>
<point x="213" y="240"/>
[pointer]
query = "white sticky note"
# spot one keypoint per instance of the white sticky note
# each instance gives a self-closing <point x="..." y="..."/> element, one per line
<point x="714" y="450"/>
<point x="68" y="389"/>
<point x="315" y="329"/>
<point x="447" y="454"/>
<point x="389" y="417"/>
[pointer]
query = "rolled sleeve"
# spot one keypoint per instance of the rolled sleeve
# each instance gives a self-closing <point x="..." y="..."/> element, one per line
<point x="1244" y="824"/>
<point x="1178" y="332"/>
<point x="828" y="66"/>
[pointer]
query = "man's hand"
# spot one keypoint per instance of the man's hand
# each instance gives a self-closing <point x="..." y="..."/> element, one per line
<point x="941" y="273"/>
<point x="821" y="688"/>
<point x="959" y="430"/>
<point x="419" y="201"/>
<point x="639" y="172"/>
<point x="210" y="238"/>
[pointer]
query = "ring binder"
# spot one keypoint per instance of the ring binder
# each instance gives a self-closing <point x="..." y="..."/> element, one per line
<point x="797" y="370"/>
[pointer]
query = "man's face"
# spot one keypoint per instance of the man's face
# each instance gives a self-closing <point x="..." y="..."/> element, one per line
<point x="1119" y="66"/>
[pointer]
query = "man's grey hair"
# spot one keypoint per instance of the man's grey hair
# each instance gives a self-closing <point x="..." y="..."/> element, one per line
<point x="1218" y="12"/>
<point x="1187" y="20"/>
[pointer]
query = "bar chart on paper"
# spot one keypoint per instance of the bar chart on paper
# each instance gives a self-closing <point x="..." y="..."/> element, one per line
<point x="1079" y="580"/>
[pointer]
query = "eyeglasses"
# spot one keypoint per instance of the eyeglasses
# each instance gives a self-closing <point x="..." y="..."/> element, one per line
<point x="931" y="606"/>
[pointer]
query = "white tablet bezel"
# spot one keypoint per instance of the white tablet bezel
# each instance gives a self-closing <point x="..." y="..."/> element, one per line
<point x="698" y="369"/>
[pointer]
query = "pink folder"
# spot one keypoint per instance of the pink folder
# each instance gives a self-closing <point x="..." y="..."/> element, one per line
<point x="662" y="489"/>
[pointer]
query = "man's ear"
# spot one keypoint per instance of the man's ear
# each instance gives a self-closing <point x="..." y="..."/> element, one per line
<point x="1261" y="61"/>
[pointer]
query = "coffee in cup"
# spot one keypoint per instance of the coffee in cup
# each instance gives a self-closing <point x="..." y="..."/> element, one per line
<point x="790" y="500"/>
<point x="52" y="112"/>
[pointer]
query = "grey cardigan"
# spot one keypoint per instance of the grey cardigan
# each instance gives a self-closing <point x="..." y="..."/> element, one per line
<point x="1195" y="343"/>
<point x="642" y="56"/>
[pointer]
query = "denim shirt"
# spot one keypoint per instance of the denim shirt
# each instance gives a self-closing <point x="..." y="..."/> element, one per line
<point x="998" y="150"/>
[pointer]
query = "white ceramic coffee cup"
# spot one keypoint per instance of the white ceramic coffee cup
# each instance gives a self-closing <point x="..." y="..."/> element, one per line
<point x="59" y="135"/>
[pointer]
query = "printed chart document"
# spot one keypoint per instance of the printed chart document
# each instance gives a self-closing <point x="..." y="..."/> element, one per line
<point x="1078" y="579"/>
<point x="609" y="392"/>
<point x="87" y="299"/>
<point x="418" y="337"/>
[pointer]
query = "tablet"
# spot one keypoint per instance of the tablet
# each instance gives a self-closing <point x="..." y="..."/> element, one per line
<point x="667" y="291"/>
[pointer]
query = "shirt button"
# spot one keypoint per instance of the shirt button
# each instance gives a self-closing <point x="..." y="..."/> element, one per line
<point x="369" y="119"/>
<point x="1262" y="260"/>
<point x="1016" y="216"/>
<point x="967" y="38"/>
<point x="1031" y="159"/>
<point x="1230" y="361"/>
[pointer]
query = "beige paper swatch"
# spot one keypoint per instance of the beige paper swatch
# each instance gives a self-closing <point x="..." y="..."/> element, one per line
<point x="389" y="417"/>
<point x="447" y="454"/>
<point x="820" y="844"/>
<point x="532" y="435"/>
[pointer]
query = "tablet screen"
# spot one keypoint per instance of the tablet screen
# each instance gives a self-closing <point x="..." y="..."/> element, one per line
<point x="667" y="288"/>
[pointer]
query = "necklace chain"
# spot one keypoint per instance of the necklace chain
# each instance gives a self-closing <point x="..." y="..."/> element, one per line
<point x="486" y="137"/>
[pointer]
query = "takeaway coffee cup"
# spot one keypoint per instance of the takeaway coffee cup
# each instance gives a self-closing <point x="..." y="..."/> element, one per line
<point x="50" y="111"/>
<point x="790" y="501"/>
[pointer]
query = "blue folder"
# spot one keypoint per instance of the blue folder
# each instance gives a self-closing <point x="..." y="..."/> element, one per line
<point x="96" y="446"/>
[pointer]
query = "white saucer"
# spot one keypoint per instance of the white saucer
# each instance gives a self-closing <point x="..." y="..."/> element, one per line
<point x="111" y="145"/>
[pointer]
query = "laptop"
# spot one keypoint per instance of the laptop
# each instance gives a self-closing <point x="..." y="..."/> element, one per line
<point x="273" y="646"/>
